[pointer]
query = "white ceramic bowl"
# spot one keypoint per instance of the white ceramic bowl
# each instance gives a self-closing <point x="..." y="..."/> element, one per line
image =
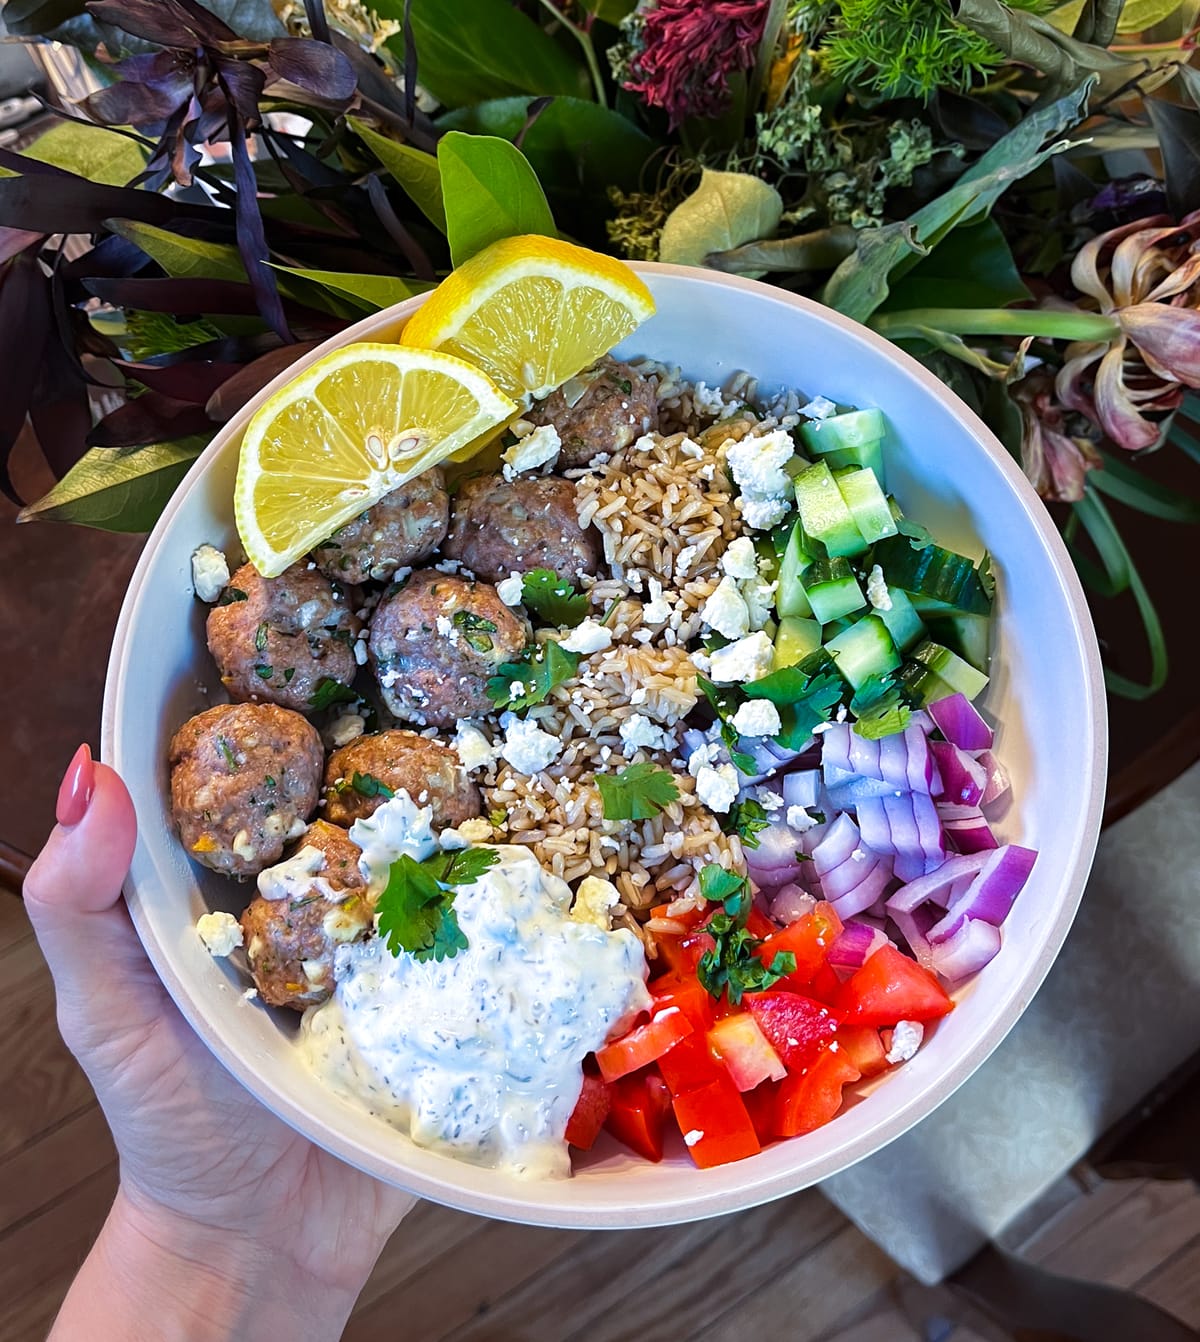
<point x="1046" y="694"/>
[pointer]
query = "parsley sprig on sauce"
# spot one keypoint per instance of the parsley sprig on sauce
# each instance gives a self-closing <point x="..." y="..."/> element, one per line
<point x="416" y="909"/>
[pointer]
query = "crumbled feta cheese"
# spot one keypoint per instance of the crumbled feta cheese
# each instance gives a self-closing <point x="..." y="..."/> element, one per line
<point x="220" y="932"/>
<point x="799" y="819"/>
<point x="702" y="662"/>
<point x="820" y="407"/>
<point x="538" y="448"/>
<point x="593" y="901"/>
<point x="638" y="732"/>
<point x="748" y="659"/>
<point x="250" y="994"/>
<point x="877" y="589"/>
<point x="756" y="717"/>
<point x="762" y="512"/>
<point x="474" y="750"/>
<point x="690" y="449"/>
<point x="210" y="572"/>
<point x="726" y="610"/>
<point x="590" y="636"/>
<point x="740" y="559"/>
<point x="717" y="788"/>
<point x="526" y="747"/>
<point x="759" y="597"/>
<point x="346" y="728"/>
<point x="703" y="756"/>
<point x="658" y="609"/>
<point x="906" y="1039"/>
<point x="684" y="560"/>
<point x="360" y="650"/>
<point x="475" y="830"/>
<point x="768" y="800"/>
<point x="692" y="1137"/>
<point x="511" y="590"/>
<point x="757" y="466"/>
<point x="445" y="628"/>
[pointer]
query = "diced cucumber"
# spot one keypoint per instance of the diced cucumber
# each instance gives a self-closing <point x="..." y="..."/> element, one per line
<point x="835" y="627"/>
<point x="824" y="514"/>
<point x="795" y="640"/>
<point x="902" y="620"/>
<point x="933" y="572"/>
<point x="867" y="503"/>
<point x="864" y="650"/>
<point x="852" y="428"/>
<point x="968" y="635"/>
<point x="949" y="667"/>
<point x="832" y="589"/>
<point x="929" y="608"/>
<point x="921" y="685"/>
<point x="790" y="596"/>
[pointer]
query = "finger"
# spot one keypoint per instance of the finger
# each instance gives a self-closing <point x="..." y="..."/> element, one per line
<point x="72" y="892"/>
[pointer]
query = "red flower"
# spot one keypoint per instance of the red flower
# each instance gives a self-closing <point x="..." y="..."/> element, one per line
<point x="689" y="48"/>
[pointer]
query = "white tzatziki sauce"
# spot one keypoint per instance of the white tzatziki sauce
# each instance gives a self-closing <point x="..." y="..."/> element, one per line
<point x="479" y="1055"/>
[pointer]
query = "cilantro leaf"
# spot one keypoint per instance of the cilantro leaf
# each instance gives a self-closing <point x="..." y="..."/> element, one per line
<point x="416" y="909"/>
<point x="879" y="709"/>
<point x="725" y="702"/>
<point x="733" y="966"/>
<point x="719" y="886"/>
<point x="636" y="792"/>
<point x="366" y="785"/>
<point x="746" y="819"/>
<point x="804" y="701"/>
<point x="552" y="599"/>
<point x="538" y="672"/>
<point x="328" y="692"/>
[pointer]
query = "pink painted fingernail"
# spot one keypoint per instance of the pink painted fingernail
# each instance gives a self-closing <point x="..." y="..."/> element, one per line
<point x="75" y="791"/>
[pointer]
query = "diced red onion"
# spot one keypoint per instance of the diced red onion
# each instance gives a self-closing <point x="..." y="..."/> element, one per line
<point x="865" y="895"/>
<point x="852" y="786"/>
<point x="856" y="944"/>
<point x="935" y="887"/>
<point x="840" y="840"/>
<point x="963" y="779"/>
<point x="916" y="834"/>
<point x="774" y="862"/>
<point x="967" y="828"/>
<point x="967" y="951"/>
<point x="913" y="924"/>
<point x="802" y="788"/>
<point x="902" y="760"/>
<point x="872" y="823"/>
<point x="790" y="903"/>
<point x="990" y="895"/>
<point x="851" y="873"/>
<point x="960" y="722"/>
<point x="997" y="778"/>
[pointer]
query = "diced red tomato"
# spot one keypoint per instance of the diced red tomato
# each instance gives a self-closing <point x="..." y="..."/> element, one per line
<point x="591" y="1109"/>
<point x="746" y="1051"/>
<point x="825" y="985"/>
<point x="685" y="992"/>
<point x="715" y="1125"/>
<point x="761" y="1104"/>
<point x="681" y="955"/>
<point x="638" y="1115"/>
<point x="809" y="1099"/>
<point x="797" y="1027"/>
<point x="690" y="919"/>
<point x="809" y="939"/>
<point x="691" y="1065"/>
<point x="863" y="1046"/>
<point x="643" y="1044"/>
<point x="889" y="988"/>
<point x="759" y="925"/>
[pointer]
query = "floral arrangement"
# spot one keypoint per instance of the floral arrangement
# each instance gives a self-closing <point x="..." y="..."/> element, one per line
<point x="1011" y="192"/>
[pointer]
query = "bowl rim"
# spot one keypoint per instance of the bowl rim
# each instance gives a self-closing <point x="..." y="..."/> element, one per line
<point x="756" y="1186"/>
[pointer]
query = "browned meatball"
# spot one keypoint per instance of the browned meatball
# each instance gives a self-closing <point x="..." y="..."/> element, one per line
<point x="244" y="780"/>
<point x="428" y="771"/>
<point x="311" y="904"/>
<point x="618" y="406"/>
<point x="404" y="527"/>
<point x="503" y="526"/>
<point x="287" y="636"/>
<point x="434" y="642"/>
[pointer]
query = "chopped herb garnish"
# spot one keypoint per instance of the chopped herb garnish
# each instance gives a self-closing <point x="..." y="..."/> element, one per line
<point x="804" y="701"/>
<point x="288" y="673"/>
<point x="416" y="909"/>
<point x="725" y="701"/>
<point x="260" y="636"/>
<point x="227" y="750"/>
<point x="498" y="817"/>
<point x="328" y="692"/>
<point x="367" y="785"/>
<point x="475" y="629"/>
<point x="733" y="966"/>
<point x="230" y="595"/>
<point x="746" y="818"/>
<point x="625" y="385"/>
<point x="264" y="671"/>
<point x="270" y="782"/>
<point x="538" y="672"/>
<point x="879" y="709"/>
<point x="552" y="599"/>
<point x="636" y="792"/>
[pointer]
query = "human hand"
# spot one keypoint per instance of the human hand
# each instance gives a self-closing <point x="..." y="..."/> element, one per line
<point x="212" y="1184"/>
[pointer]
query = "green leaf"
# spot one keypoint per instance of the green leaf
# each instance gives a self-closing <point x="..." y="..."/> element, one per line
<point x="746" y="819"/>
<point x="717" y="885"/>
<point x="182" y="257"/>
<point x="1129" y="486"/>
<point x="878" y="709"/>
<point x="538" y="672"/>
<point x="118" y="488"/>
<point x="416" y="171"/>
<point x="552" y="599"/>
<point x="727" y="210"/>
<point x="636" y="792"/>
<point x="573" y="143"/>
<point x="861" y="283"/>
<point x="462" y="866"/>
<point x="93" y="152"/>
<point x="972" y="268"/>
<point x="1178" y="131"/>
<point x="1136" y="16"/>
<point x="804" y="701"/>
<point x="372" y="291"/>
<point x="471" y="50"/>
<point x="328" y="692"/>
<point x="417" y="915"/>
<point x="819" y="250"/>
<point x="491" y="193"/>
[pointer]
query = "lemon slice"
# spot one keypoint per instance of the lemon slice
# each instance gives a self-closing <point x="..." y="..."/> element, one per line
<point x="532" y="312"/>
<point x="347" y="431"/>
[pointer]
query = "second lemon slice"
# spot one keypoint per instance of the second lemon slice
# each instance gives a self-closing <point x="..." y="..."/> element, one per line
<point x="347" y="431"/>
<point x="532" y="312"/>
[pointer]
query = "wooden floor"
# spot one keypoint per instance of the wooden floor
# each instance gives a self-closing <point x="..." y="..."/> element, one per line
<point x="795" y="1270"/>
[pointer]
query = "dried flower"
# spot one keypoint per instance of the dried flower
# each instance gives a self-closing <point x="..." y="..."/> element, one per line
<point x="1145" y="275"/>
<point x="1054" y="460"/>
<point x="684" y="52"/>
